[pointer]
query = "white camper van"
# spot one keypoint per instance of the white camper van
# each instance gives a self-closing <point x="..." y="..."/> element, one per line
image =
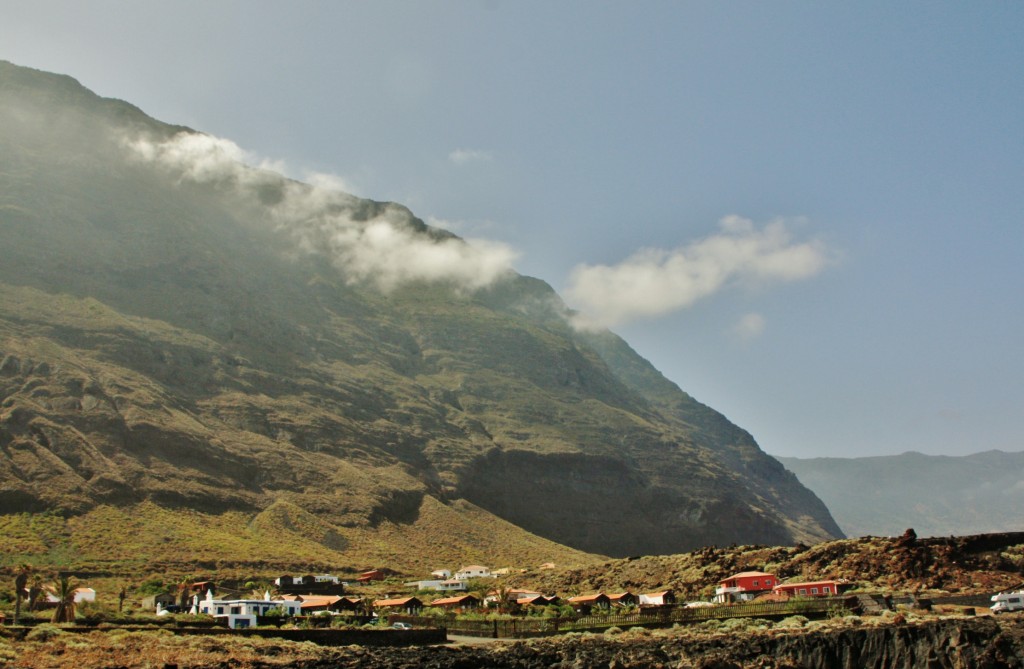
<point x="1007" y="601"/>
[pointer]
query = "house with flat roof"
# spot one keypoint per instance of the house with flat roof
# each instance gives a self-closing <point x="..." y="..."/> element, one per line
<point x="242" y="613"/>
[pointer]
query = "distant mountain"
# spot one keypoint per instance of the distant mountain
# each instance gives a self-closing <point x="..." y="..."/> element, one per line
<point x="179" y="331"/>
<point x="937" y="495"/>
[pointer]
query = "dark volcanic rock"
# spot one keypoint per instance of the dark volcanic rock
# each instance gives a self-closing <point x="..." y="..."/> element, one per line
<point x="942" y="644"/>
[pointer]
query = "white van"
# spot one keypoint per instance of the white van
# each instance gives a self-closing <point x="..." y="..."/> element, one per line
<point x="1008" y="601"/>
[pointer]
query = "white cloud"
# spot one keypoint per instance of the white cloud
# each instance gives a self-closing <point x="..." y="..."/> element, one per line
<point x="379" y="244"/>
<point x="463" y="156"/>
<point x="330" y="182"/>
<point x="749" y="327"/>
<point x="654" y="282"/>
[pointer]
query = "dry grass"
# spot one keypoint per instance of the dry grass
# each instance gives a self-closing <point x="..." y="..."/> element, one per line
<point x="144" y="541"/>
<point x="151" y="649"/>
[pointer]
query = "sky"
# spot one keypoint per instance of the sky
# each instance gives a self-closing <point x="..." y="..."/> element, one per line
<point x="810" y="216"/>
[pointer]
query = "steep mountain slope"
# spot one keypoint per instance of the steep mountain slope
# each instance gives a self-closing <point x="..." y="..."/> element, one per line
<point x="181" y="330"/>
<point x="937" y="495"/>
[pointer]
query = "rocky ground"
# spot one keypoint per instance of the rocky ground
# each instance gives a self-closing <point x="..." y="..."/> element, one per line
<point x="980" y="564"/>
<point x="904" y="640"/>
<point x="979" y="643"/>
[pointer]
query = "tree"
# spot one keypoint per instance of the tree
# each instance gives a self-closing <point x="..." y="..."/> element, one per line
<point x="503" y="595"/>
<point x="35" y="592"/>
<point x="64" y="589"/>
<point x="20" y="581"/>
<point x="258" y="589"/>
<point x="184" y="590"/>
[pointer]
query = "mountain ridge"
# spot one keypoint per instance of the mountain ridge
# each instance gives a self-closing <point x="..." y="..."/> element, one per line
<point x="182" y="329"/>
<point x="937" y="495"/>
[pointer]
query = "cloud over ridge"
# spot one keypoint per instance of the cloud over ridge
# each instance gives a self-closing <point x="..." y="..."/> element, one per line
<point x="381" y="244"/>
<point x="654" y="282"/>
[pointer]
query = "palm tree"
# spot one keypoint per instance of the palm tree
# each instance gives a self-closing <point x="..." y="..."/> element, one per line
<point x="503" y="594"/>
<point x="260" y="588"/>
<point x="20" y="581"/>
<point x="64" y="589"/>
<point x="35" y="591"/>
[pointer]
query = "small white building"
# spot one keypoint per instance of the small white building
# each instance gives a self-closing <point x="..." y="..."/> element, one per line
<point x="242" y="612"/>
<point x="441" y="574"/>
<point x="307" y="580"/>
<point x="448" y="585"/>
<point x="81" y="595"/>
<point x="473" y="571"/>
<point x="663" y="598"/>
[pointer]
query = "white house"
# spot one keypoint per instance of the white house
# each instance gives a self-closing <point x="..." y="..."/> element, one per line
<point x="473" y="571"/>
<point x="442" y="574"/>
<point x="663" y="598"/>
<point x="447" y="585"/>
<point x="242" y="612"/>
<point x="305" y="580"/>
<point x="451" y="585"/>
<point x="81" y="595"/>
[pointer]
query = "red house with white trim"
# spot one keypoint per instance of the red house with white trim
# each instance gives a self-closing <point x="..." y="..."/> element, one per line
<point x="744" y="586"/>
<point x="827" y="588"/>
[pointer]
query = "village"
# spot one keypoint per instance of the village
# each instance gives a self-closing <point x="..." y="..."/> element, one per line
<point x="461" y="593"/>
<point x="377" y="598"/>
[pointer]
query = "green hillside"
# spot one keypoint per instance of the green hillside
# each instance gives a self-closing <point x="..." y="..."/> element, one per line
<point x="180" y="332"/>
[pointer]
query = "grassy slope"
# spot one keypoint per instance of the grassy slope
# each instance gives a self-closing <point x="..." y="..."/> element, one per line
<point x="161" y="341"/>
<point x="131" y="542"/>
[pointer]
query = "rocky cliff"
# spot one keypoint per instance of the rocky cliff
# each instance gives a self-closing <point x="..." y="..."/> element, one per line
<point x="179" y="329"/>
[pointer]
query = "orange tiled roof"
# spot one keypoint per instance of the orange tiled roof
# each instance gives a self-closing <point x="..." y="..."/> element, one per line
<point x="309" y="601"/>
<point x="453" y="600"/>
<point x="394" y="602"/>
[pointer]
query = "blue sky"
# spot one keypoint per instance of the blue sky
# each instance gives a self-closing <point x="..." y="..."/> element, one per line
<point x="884" y="139"/>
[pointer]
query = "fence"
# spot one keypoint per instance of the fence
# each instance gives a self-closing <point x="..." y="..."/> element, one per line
<point x="530" y="627"/>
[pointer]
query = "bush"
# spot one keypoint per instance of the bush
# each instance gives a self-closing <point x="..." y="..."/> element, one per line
<point x="744" y="624"/>
<point x="792" y="621"/>
<point x="153" y="586"/>
<point x="44" y="632"/>
<point x="838" y="611"/>
<point x="613" y="630"/>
